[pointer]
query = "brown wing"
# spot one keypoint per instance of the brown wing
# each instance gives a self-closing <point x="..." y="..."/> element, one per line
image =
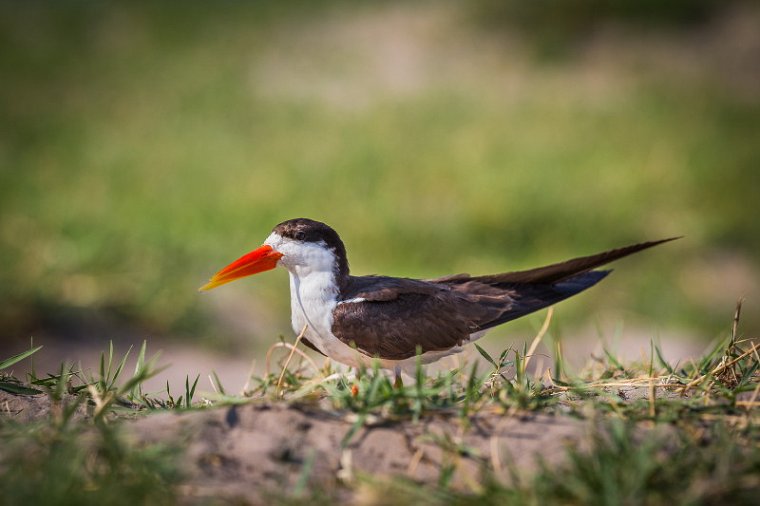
<point x="396" y="316"/>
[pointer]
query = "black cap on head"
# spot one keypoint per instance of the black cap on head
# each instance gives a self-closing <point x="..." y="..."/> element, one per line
<point x="306" y="230"/>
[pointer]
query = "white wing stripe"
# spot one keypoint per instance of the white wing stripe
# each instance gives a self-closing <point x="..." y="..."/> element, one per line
<point x="352" y="301"/>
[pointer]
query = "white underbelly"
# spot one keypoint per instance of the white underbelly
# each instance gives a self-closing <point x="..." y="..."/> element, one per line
<point x="313" y="300"/>
<point x="319" y="333"/>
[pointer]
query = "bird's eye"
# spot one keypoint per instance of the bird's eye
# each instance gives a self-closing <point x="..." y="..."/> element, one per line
<point x="300" y="236"/>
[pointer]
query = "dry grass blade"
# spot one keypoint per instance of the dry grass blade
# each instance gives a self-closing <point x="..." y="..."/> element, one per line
<point x="292" y="351"/>
<point x="495" y="458"/>
<point x="311" y="385"/>
<point x="735" y="324"/>
<point x="539" y="336"/>
<point x="720" y="368"/>
<point x="290" y="347"/>
<point x="752" y="401"/>
<point x="415" y="462"/>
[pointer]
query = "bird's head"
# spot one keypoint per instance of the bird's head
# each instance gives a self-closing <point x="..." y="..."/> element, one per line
<point x="300" y="245"/>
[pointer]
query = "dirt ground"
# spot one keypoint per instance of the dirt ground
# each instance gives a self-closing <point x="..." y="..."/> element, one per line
<point x="249" y="452"/>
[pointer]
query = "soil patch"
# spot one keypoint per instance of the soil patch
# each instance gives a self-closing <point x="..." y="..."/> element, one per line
<point x="254" y="451"/>
<point x="251" y="451"/>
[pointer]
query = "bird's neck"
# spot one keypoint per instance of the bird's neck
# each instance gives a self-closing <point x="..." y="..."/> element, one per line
<point x="313" y="296"/>
<point x="323" y="272"/>
<point x="309" y="287"/>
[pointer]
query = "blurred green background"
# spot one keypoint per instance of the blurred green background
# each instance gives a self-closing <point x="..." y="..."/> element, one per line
<point x="145" y="145"/>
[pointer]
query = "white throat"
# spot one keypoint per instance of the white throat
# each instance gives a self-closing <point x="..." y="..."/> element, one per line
<point x="313" y="298"/>
<point x="313" y="288"/>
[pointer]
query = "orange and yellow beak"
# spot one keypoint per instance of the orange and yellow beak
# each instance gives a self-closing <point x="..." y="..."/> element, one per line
<point x="258" y="260"/>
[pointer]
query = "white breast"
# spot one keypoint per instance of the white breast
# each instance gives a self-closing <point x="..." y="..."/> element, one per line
<point x="312" y="300"/>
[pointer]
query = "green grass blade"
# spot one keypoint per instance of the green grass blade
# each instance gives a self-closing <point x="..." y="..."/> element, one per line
<point x="60" y="385"/>
<point x="612" y="359"/>
<point x="303" y="477"/>
<point x="661" y="359"/>
<point x="190" y="391"/>
<point x="145" y="374"/>
<point x="18" y="389"/>
<point x="486" y="356"/>
<point x="358" y="424"/>
<point x="136" y="392"/>
<point x="102" y="369"/>
<point x="141" y="356"/>
<point x="18" y="358"/>
<point x="217" y="384"/>
<point x="119" y="368"/>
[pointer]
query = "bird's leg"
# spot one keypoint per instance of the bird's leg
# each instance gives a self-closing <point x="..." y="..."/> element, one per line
<point x="398" y="382"/>
<point x="357" y="378"/>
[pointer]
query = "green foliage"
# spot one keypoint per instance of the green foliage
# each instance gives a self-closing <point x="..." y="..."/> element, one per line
<point x="4" y="364"/>
<point x="10" y="383"/>
<point x="68" y="458"/>
<point x="60" y="462"/>
<point x="621" y="466"/>
<point x="106" y="391"/>
<point x="183" y="401"/>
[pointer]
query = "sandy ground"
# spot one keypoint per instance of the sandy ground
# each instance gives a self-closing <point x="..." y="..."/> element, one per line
<point x="249" y="451"/>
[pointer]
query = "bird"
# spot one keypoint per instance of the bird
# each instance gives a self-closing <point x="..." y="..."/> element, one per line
<point x="395" y="322"/>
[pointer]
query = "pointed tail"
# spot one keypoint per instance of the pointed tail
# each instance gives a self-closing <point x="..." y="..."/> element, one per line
<point x="563" y="270"/>
<point x="538" y="288"/>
